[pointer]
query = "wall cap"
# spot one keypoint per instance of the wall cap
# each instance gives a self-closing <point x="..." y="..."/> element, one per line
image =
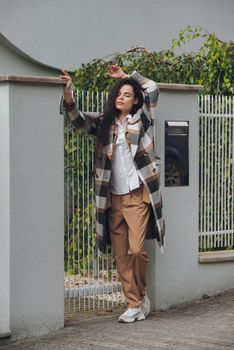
<point x="179" y="87"/>
<point x="53" y="80"/>
<point x="5" y="333"/>
<point x="32" y="79"/>
<point x="216" y="256"/>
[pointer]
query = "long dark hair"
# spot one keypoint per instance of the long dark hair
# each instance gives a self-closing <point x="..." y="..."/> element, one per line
<point x="111" y="112"/>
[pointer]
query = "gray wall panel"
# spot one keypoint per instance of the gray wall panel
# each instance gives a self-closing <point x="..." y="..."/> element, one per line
<point x="68" y="33"/>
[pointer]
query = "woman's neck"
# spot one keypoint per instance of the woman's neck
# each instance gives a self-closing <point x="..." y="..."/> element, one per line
<point x="122" y="116"/>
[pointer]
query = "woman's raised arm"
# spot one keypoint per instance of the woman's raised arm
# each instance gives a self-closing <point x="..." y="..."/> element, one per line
<point x="149" y="87"/>
<point x="151" y="93"/>
<point x="86" y="121"/>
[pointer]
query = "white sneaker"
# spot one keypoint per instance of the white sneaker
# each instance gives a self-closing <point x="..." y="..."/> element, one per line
<point x="145" y="306"/>
<point x="132" y="314"/>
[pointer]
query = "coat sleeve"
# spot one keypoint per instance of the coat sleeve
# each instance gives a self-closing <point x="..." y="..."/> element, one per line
<point x="81" y="120"/>
<point x="151" y="93"/>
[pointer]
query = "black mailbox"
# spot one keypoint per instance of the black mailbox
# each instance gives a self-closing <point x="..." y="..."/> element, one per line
<point x="176" y="153"/>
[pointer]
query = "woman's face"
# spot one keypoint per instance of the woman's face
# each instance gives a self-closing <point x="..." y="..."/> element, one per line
<point x="125" y="99"/>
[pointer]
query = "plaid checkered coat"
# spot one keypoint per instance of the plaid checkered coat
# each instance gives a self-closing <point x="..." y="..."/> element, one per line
<point x="141" y="142"/>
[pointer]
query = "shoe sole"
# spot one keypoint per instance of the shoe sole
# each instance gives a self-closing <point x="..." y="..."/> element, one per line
<point x="133" y="319"/>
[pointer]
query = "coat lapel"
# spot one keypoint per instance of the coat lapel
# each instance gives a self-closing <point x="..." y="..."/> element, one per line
<point x="109" y="149"/>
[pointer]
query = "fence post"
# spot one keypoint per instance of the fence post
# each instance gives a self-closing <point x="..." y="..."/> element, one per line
<point x="178" y="276"/>
<point x="31" y="207"/>
<point x="170" y="274"/>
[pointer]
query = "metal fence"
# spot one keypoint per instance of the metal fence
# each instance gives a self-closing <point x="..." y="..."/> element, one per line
<point x="216" y="212"/>
<point x="91" y="281"/>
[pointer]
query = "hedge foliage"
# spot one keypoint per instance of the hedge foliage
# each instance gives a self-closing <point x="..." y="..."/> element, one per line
<point x="212" y="66"/>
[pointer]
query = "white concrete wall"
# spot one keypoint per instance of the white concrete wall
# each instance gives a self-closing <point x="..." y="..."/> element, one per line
<point x="67" y="33"/>
<point x="32" y="230"/>
<point x="175" y="270"/>
<point x="4" y="209"/>
<point x="177" y="276"/>
<point x="12" y="63"/>
<point x="32" y="209"/>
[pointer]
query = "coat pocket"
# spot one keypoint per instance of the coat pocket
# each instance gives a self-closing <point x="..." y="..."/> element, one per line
<point x="145" y="196"/>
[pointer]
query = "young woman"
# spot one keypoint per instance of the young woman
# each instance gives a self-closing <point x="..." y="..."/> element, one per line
<point x="128" y="198"/>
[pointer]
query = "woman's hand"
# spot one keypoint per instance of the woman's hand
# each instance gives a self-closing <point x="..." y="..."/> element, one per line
<point x="67" y="90"/>
<point x="115" y="71"/>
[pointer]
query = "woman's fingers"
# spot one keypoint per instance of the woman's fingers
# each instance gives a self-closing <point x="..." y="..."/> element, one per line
<point x="67" y="89"/>
<point x="65" y="75"/>
<point x="114" y="71"/>
<point x="113" y="68"/>
<point x="65" y="72"/>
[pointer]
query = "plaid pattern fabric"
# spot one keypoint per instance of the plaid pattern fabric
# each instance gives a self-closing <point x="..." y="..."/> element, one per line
<point x="141" y="142"/>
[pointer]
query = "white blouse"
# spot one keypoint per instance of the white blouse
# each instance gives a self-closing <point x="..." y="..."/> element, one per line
<point x="124" y="177"/>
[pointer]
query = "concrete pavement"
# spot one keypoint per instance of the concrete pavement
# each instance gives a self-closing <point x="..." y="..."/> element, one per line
<point x="204" y="324"/>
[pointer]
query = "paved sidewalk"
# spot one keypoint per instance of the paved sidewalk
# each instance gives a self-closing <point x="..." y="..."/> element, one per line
<point x="201" y="325"/>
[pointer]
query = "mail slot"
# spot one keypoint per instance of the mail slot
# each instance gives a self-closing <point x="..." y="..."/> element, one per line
<point x="176" y="153"/>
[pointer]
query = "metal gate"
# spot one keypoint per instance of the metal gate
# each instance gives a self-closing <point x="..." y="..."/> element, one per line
<point x="91" y="280"/>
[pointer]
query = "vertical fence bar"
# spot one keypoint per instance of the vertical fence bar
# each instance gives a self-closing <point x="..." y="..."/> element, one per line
<point x="216" y="170"/>
<point x="201" y="185"/>
<point x="91" y="213"/>
<point x="87" y="201"/>
<point x="225" y="170"/>
<point x="78" y="220"/>
<point x="211" y="175"/>
<point x="83" y="207"/>
<point x="78" y="205"/>
<point x="219" y="201"/>
<point x="98" y="257"/>
<point x="205" y="173"/>
<point x="208" y="120"/>
<point x="68" y="217"/>
<point x="222" y="171"/>
<point x="232" y="197"/>
<point x="229" y="170"/>
<point x="102" y="258"/>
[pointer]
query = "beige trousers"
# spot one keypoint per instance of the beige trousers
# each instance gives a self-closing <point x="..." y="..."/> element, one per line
<point x="128" y="220"/>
